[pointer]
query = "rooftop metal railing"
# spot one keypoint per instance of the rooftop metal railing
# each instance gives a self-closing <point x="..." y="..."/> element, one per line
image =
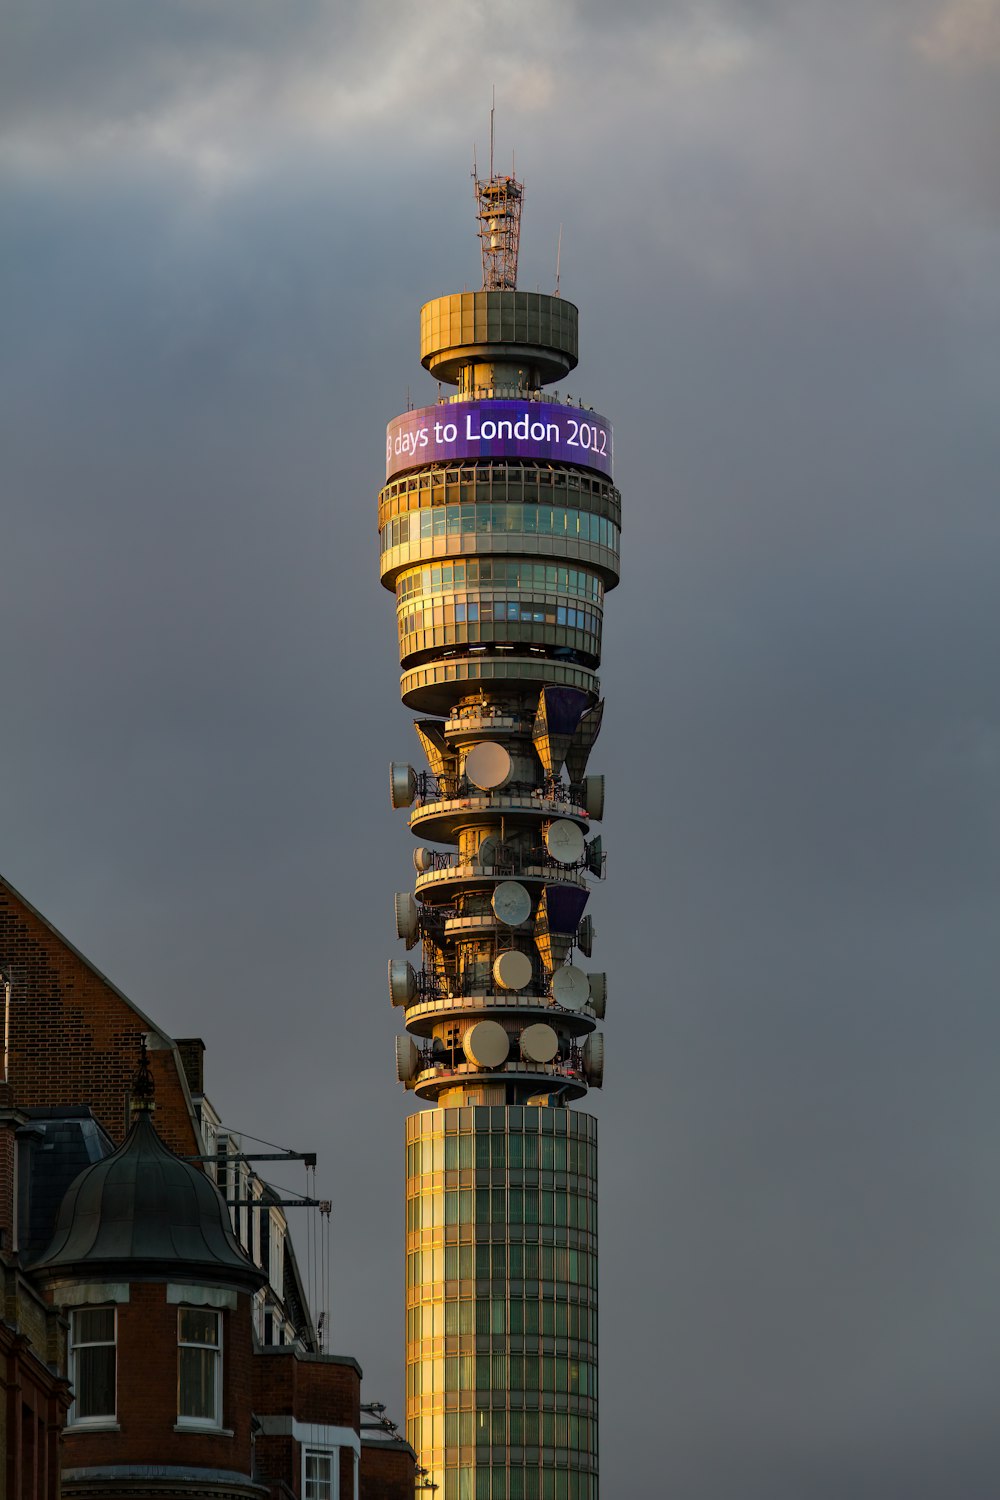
<point x="435" y="788"/>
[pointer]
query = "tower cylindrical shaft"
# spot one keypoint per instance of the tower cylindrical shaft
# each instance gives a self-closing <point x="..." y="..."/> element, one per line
<point x="499" y="529"/>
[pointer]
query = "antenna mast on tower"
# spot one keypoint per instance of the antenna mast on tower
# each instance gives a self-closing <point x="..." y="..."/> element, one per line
<point x="498" y="209"/>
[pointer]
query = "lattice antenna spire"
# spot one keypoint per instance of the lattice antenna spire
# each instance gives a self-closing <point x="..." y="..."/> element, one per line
<point x="498" y="210"/>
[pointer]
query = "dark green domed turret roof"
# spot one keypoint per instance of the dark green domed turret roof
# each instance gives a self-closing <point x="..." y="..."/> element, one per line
<point x="145" y="1212"/>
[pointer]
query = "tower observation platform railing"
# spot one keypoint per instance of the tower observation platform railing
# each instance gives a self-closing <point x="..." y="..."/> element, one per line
<point x="433" y="788"/>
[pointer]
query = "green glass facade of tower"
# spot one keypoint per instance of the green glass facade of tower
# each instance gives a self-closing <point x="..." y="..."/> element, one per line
<point x="501" y="1298"/>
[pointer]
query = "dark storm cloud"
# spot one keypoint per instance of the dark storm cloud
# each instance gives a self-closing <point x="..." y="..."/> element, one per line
<point x="781" y="228"/>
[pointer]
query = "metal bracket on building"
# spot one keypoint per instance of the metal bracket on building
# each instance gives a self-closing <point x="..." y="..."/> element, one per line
<point x="309" y="1157"/>
<point x="382" y="1423"/>
<point x="321" y="1203"/>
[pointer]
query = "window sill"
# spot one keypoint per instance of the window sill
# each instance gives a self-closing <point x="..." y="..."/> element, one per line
<point x="204" y="1427"/>
<point x="95" y="1425"/>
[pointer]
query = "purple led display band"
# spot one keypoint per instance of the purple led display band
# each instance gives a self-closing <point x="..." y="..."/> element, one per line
<point x="463" y="430"/>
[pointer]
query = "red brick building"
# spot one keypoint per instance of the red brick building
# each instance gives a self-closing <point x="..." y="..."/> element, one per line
<point x="153" y="1339"/>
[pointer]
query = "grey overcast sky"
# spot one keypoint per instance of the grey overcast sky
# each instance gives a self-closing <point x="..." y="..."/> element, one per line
<point x="782" y="228"/>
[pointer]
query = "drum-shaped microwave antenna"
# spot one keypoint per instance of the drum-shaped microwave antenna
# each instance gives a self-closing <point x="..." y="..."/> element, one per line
<point x="402" y="981"/>
<point x="593" y="796"/>
<point x="486" y="1044"/>
<point x="402" y="784"/>
<point x="487" y="851"/>
<point x="511" y="903"/>
<point x="407" y="1059"/>
<point x="585" y="935"/>
<point x="512" y="969"/>
<point x="570" y="987"/>
<point x="593" y="1059"/>
<point x="407" y="917"/>
<point x="595" y="856"/>
<point x="564" y="841"/>
<point x="598" y="994"/>
<point x="539" y="1043"/>
<point x="488" y="766"/>
<point x="423" y="860"/>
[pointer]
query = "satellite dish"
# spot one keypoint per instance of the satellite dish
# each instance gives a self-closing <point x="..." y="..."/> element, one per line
<point x="598" y="994"/>
<point x="407" y="1059"/>
<point x="402" y="981"/>
<point x="512" y="969"/>
<point x="487" y="852"/>
<point x="570" y="987"/>
<point x="486" y="1044"/>
<point x="593" y="1059"/>
<point x="593" y="796"/>
<point x="407" y="917"/>
<point x="423" y="860"/>
<point x="488" y="765"/>
<point x="564" y="841"/>
<point x="511" y="903"/>
<point x="402" y="784"/>
<point x="539" y="1043"/>
<point x="585" y="935"/>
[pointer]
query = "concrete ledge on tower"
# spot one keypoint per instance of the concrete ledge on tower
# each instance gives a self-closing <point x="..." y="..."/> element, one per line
<point x="436" y="686"/>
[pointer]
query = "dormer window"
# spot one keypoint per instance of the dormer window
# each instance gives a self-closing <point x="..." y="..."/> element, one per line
<point x="199" y="1367"/>
<point x="93" y="1365"/>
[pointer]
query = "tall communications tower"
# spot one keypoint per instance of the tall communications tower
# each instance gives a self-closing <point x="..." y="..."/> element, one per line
<point x="499" y="530"/>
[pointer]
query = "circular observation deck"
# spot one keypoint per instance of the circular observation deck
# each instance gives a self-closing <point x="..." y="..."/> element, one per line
<point x="435" y="687"/>
<point x="440" y="818"/>
<point x="541" y="1078"/>
<point x="529" y="332"/>
<point x="451" y="877"/>
<point x="495" y="511"/>
<point x="424" y="1013"/>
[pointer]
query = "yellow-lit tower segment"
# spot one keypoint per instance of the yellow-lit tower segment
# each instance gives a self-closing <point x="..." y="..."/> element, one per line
<point x="499" y="526"/>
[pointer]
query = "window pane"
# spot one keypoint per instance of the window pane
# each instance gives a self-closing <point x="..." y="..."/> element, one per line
<point x="197" y="1383"/>
<point x="95" y="1381"/>
<point x="198" y="1325"/>
<point x="93" y="1362"/>
<point x="94" y="1325"/>
<point x="319" y="1476"/>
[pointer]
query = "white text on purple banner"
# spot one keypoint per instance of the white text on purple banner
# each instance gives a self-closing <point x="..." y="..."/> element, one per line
<point x="463" y="430"/>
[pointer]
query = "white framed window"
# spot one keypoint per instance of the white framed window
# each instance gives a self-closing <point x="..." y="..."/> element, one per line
<point x="319" y="1474"/>
<point x="93" y="1354"/>
<point x="199" y="1367"/>
<point x="276" y="1251"/>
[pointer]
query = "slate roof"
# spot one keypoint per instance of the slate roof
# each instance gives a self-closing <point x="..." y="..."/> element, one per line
<point x="144" y="1211"/>
<point x="64" y="1140"/>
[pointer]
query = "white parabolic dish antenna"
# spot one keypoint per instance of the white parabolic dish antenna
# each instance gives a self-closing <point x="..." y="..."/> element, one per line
<point x="512" y="970"/>
<point x="511" y="903"/>
<point x="486" y="1044"/>
<point x="539" y="1043"/>
<point x="570" y="988"/>
<point x="564" y="841"/>
<point x="487" y="765"/>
